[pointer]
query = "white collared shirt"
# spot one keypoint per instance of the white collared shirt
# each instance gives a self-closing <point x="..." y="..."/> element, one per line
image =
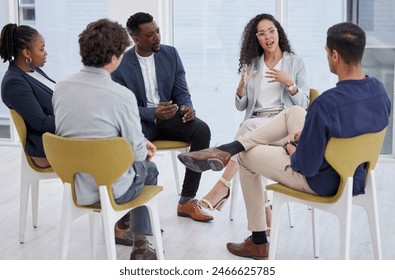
<point x="147" y="65"/>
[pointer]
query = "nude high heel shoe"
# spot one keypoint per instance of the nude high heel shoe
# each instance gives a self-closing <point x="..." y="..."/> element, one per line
<point x="220" y="204"/>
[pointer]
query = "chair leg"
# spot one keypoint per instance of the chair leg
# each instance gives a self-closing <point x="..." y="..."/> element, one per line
<point x="233" y="196"/>
<point x="109" y="236"/>
<point x="276" y="209"/>
<point x="24" y="200"/>
<point x="94" y="222"/>
<point x="375" y="233"/>
<point x="291" y="217"/>
<point x="316" y="231"/>
<point x="345" y="233"/>
<point x="175" y="168"/>
<point x="155" y="224"/>
<point x="66" y="222"/>
<point x="109" y="220"/>
<point x="370" y="204"/>
<point x="34" y="194"/>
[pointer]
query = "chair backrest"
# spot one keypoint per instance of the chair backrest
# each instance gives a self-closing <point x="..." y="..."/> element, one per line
<point x="313" y="95"/>
<point x="346" y="154"/>
<point x="22" y="132"/>
<point x="20" y="126"/>
<point x="105" y="159"/>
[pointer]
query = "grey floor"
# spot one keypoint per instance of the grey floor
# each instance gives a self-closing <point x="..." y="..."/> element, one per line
<point x="183" y="238"/>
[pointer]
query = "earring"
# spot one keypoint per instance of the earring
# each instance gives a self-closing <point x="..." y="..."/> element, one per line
<point x="28" y="60"/>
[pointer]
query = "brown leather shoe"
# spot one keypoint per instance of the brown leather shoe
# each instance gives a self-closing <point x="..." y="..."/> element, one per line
<point x="193" y="210"/>
<point x="211" y="158"/>
<point x="142" y="251"/>
<point x="249" y="250"/>
<point x="141" y="254"/>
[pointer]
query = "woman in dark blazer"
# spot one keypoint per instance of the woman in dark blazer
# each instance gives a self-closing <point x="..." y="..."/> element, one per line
<point x="25" y="87"/>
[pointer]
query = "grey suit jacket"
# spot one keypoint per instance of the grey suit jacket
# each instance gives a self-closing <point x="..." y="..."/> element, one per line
<point x="294" y="66"/>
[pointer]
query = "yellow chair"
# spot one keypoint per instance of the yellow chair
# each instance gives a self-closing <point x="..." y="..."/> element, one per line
<point x="106" y="160"/>
<point x="31" y="174"/>
<point x="344" y="155"/>
<point x="173" y="147"/>
<point x="313" y="95"/>
<point x="236" y="180"/>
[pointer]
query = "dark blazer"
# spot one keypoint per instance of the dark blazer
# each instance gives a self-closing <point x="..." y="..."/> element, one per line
<point x="33" y="101"/>
<point x="170" y="75"/>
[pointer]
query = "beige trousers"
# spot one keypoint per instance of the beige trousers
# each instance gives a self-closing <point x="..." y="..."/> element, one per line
<point x="250" y="125"/>
<point x="272" y="162"/>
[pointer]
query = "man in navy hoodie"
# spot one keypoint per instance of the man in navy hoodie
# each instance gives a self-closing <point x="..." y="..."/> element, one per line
<point x="357" y="105"/>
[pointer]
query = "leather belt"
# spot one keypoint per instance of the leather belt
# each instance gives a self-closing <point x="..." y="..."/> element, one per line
<point x="266" y="114"/>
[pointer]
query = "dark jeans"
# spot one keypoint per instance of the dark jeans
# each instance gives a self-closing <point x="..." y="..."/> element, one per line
<point x="146" y="174"/>
<point x="196" y="132"/>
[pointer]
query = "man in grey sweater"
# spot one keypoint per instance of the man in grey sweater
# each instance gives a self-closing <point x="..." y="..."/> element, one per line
<point x="89" y="104"/>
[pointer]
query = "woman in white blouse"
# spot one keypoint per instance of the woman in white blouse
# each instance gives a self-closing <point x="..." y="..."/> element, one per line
<point x="272" y="78"/>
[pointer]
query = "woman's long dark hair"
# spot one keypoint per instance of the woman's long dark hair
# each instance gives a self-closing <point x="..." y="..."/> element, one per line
<point x="251" y="50"/>
<point x="14" y="39"/>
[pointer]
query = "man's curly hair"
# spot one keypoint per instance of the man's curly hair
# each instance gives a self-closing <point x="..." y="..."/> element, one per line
<point x="100" y="41"/>
<point x="251" y="50"/>
<point x="136" y="20"/>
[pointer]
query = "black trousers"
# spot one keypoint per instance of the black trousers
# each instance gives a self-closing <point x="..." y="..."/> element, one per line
<point x="196" y="132"/>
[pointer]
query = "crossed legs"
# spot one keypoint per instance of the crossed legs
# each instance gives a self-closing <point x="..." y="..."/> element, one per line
<point x="261" y="159"/>
<point x="272" y="162"/>
<point x="256" y="158"/>
<point x="221" y="188"/>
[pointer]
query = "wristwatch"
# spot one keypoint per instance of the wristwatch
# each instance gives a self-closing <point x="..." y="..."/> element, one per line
<point x="291" y="88"/>
<point x="293" y="143"/>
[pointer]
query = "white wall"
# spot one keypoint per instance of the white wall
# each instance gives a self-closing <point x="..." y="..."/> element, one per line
<point x="121" y="10"/>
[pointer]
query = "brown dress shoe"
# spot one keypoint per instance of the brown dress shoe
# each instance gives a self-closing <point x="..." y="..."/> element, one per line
<point x="249" y="250"/>
<point x="211" y="158"/>
<point x="193" y="210"/>
<point x="142" y="251"/>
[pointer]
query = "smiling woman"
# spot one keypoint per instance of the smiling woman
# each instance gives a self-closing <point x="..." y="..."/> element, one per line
<point x="272" y="79"/>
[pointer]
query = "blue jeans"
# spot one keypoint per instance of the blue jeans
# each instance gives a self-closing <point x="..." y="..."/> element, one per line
<point x="146" y="174"/>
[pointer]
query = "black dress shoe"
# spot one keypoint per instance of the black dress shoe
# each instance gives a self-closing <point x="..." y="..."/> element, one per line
<point x="125" y="236"/>
<point x="211" y="158"/>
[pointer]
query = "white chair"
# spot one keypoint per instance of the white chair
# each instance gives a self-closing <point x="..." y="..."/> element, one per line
<point x="173" y="147"/>
<point x="106" y="160"/>
<point x="31" y="175"/>
<point x="344" y="155"/>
